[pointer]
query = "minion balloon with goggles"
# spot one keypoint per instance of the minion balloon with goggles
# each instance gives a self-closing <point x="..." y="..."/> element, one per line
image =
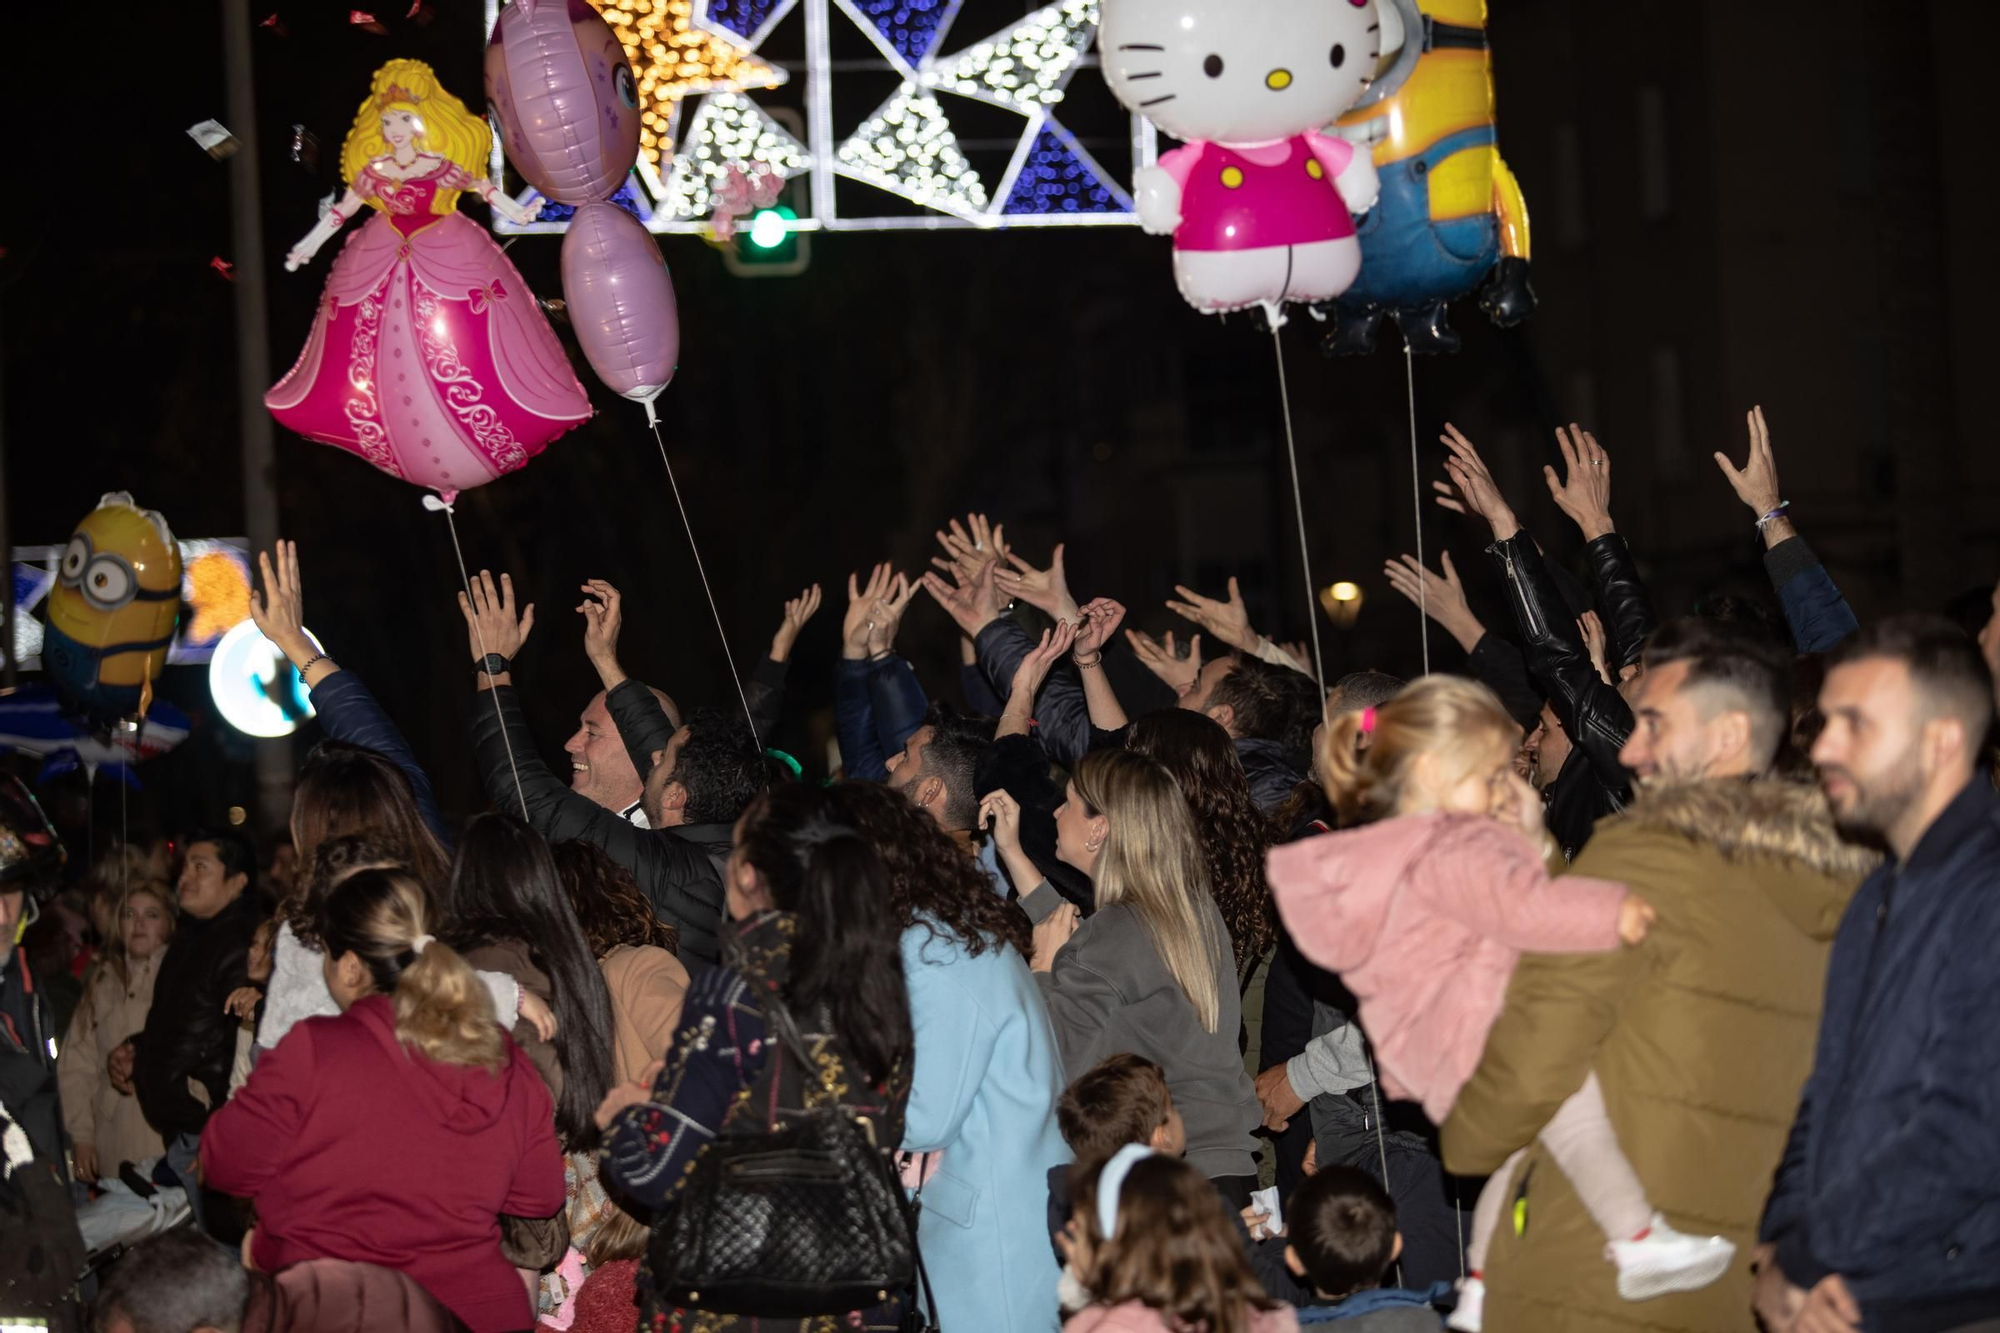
<point x="113" y="610"/>
<point x="1450" y="215"/>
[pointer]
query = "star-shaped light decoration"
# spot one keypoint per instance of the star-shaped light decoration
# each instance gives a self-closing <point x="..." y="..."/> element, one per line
<point x="729" y="131"/>
<point x="675" y="58"/>
<point x="908" y="148"/>
<point x="1026" y="67"/>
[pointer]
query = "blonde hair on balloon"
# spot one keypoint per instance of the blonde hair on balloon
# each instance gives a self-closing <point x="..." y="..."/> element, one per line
<point x="448" y="129"/>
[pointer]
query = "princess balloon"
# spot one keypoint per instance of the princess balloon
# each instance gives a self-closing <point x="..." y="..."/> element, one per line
<point x="1259" y="201"/>
<point x="428" y="357"/>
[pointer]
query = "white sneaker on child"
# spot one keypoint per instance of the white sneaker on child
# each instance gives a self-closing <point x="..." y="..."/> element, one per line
<point x="1471" y="1306"/>
<point x="1667" y="1260"/>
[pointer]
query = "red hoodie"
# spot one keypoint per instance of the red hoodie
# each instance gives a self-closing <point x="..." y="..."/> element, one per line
<point x="356" y="1147"/>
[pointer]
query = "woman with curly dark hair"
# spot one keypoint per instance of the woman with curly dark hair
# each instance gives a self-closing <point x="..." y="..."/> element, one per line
<point x="633" y="948"/>
<point x="932" y="881"/>
<point x="1235" y="834"/>
<point x="983" y="1096"/>
<point x="648" y="986"/>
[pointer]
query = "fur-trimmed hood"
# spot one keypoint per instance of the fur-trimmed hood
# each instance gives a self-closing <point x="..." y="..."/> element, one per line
<point x="1752" y="825"/>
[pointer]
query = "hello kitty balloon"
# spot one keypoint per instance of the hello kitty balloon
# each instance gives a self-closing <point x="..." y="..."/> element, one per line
<point x="1259" y="201"/>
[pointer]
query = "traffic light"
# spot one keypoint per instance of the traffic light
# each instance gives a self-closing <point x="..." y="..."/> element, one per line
<point x="767" y="243"/>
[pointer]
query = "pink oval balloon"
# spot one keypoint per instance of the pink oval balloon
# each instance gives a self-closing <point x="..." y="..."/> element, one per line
<point x="558" y="83"/>
<point x="621" y="301"/>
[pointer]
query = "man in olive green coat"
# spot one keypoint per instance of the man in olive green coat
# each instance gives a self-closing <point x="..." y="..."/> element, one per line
<point x="1701" y="1036"/>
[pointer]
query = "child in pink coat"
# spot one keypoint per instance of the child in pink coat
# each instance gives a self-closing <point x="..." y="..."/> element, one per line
<point x="1424" y="911"/>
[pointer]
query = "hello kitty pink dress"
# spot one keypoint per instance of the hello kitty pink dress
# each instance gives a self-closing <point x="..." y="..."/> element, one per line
<point x="429" y="356"/>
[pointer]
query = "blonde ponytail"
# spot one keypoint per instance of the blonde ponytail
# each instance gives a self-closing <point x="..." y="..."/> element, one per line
<point x="442" y="1010"/>
<point x="1366" y="756"/>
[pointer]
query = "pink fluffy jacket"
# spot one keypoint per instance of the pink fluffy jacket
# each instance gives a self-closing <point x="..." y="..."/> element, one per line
<point x="1423" y="917"/>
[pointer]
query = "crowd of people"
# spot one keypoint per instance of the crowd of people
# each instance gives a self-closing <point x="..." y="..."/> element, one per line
<point x="1642" y="977"/>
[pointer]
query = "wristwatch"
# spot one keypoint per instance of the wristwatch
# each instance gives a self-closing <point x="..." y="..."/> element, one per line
<point x="492" y="665"/>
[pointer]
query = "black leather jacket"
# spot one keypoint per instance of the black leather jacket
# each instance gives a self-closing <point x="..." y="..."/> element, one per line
<point x="678" y="869"/>
<point x="1594" y="715"/>
<point x="188" y="1036"/>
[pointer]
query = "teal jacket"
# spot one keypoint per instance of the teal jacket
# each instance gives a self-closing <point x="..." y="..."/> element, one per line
<point x="984" y="1097"/>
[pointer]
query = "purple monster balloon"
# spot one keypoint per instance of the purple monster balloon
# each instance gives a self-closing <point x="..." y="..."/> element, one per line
<point x="560" y="87"/>
<point x="621" y="302"/>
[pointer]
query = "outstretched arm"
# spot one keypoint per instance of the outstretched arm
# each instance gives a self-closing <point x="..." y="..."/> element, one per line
<point x="1584" y="493"/>
<point x="1818" y="614"/>
<point x="347" y="711"/>
<point x="324" y="230"/>
<point x="1101" y="619"/>
<point x="1596" y="717"/>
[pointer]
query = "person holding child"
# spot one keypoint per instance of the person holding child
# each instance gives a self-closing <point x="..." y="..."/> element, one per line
<point x="1701" y="1036"/>
<point x="1424" y="909"/>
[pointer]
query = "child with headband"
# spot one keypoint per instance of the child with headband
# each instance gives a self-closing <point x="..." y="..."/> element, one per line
<point x="1152" y="1243"/>
<point x="1424" y="903"/>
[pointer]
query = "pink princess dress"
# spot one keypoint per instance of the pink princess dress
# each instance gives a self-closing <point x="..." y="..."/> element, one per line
<point x="429" y="357"/>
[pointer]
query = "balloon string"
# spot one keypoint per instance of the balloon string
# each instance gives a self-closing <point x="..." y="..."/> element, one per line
<point x="1299" y="506"/>
<point x="479" y="635"/>
<point x="1381" y="1138"/>
<point x="702" y="570"/>
<point x="1417" y="500"/>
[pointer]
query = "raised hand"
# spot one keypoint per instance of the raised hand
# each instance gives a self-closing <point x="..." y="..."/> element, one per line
<point x="863" y="605"/>
<point x="1163" y="660"/>
<point x="889" y="615"/>
<point x="1228" y="621"/>
<point x="972" y="602"/>
<point x="1441" y="597"/>
<point x="1035" y="666"/>
<point x="603" y="613"/>
<point x="1756" y="482"/>
<point x="798" y="610"/>
<point x="1000" y="815"/>
<point x="975" y="543"/>
<point x="1101" y="618"/>
<point x="1044" y="589"/>
<point x="1586" y="495"/>
<point x="279" y="611"/>
<point x="491" y="626"/>
<point x="1592" y="629"/>
<point x="1472" y="489"/>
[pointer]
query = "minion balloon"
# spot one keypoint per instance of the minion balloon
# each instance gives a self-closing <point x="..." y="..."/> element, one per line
<point x="1450" y="212"/>
<point x="113" y="610"/>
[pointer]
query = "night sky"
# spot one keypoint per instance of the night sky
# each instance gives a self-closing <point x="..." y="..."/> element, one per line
<point x="824" y="421"/>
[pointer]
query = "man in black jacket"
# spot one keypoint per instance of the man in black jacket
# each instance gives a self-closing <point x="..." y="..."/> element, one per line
<point x="696" y="779"/>
<point x="190" y="1041"/>
<point x="1591" y="711"/>
<point x="1885" y="1212"/>
<point x="41" y="1253"/>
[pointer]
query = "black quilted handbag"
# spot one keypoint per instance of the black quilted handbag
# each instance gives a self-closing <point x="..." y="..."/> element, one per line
<point x="807" y="1220"/>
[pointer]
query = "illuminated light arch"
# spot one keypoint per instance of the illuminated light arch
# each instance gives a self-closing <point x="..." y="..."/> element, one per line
<point x="703" y="54"/>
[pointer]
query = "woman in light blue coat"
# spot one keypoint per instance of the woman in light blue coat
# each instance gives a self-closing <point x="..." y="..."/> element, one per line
<point x="983" y="1098"/>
